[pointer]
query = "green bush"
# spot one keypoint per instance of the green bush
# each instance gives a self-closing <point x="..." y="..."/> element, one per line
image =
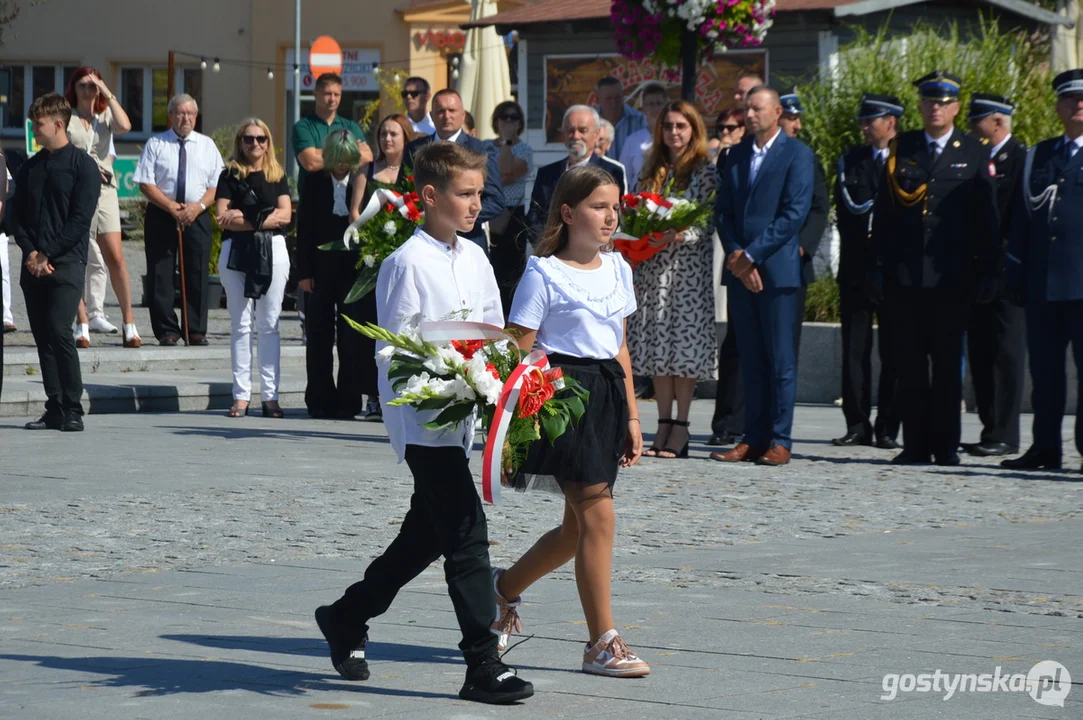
<point x="822" y="301"/>
<point x="1009" y="63"/>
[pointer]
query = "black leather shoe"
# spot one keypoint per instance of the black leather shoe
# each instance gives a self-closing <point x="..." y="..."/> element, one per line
<point x="167" y="341"/>
<point x="73" y="422"/>
<point x="989" y="449"/>
<point x="196" y="339"/>
<point x="48" y="421"/>
<point x="909" y="458"/>
<point x="851" y="439"/>
<point x="347" y="652"/>
<point x="718" y="440"/>
<point x="887" y="443"/>
<point x="949" y="460"/>
<point x="1033" y="460"/>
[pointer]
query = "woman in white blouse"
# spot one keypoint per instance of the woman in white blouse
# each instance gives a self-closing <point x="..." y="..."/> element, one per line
<point x="508" y="231"/>
<point x="96" y="117"/>
<point x="573" y="303"/>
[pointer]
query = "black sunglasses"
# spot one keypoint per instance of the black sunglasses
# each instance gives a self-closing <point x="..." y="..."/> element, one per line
<point x="511" y="117"/>
<point x="410" y="93"/>
<point x="253" y="139"/>
<point x="728" y="128"/>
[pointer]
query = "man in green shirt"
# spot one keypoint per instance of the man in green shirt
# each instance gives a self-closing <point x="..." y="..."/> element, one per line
<point x="309" y="132"/>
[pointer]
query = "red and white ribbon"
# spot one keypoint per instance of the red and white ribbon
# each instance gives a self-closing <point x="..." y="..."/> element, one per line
<point x="492" y="467"/>
<point x="443" y="331"/>
<point x="380" y="198"/>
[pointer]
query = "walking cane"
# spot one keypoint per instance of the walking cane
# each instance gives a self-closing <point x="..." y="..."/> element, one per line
<point x="184" y="290"/>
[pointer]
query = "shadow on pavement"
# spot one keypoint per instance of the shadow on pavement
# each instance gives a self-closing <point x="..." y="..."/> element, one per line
<point x="228" y="432"/>
<point x="312" y="647"/>
<point x="156" y="676"/>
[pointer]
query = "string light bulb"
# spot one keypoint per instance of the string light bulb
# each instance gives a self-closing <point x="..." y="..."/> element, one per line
<point x="217" y="66"/>
<point x="203" y="63"/>
<point x="296" y="70"/>
<point x="455" y="74"/>
<point x="375" y="68"/>
<point x="270" y="74"/>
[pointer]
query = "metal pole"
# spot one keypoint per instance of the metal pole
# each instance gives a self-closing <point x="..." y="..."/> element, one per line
<point x="296" y="75"/>
<point x="172" y="71"/>
<point x="689" y="62"/>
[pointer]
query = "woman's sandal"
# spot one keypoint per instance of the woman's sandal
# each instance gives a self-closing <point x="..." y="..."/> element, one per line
<point x="674" y="454"/>
<point x="653" y="450"/>
<point x="269" y="411"/>
<point x="237" y="411"/>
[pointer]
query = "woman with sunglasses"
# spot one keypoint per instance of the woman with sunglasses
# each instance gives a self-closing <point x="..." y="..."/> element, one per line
<point x="729" y="131"/>
<point x="253" y="198"/>
<point x="508" y="231"/>
<point x="96" y="117"/>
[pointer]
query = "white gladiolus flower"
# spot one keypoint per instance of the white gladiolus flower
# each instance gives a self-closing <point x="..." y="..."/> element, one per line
<point x="390" y="228"/>
<point x="484" y="381"/>
<point x="386" y="353"/>
<point x="369" y="260"/>
<point x="416" y="385"/>
<point x="445" y="361"/>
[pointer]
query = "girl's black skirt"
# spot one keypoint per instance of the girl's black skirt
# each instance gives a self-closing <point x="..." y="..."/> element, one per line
<point x="589" y="452"/>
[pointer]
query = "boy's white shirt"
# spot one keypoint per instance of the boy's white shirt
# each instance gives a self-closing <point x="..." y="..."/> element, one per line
<point x="427" y="277"/>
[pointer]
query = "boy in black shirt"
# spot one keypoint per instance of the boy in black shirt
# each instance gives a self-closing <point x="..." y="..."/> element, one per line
<point x="56" y="194"/>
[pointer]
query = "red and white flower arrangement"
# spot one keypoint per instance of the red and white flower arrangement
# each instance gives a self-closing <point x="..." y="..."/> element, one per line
<point x="646" y="217"/>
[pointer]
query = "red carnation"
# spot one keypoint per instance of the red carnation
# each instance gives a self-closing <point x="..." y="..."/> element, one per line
<point x="467" y="348"/>
<point x="492" y="368"/>
<point x="389" y="208"/>
<point x="630" y="200"/>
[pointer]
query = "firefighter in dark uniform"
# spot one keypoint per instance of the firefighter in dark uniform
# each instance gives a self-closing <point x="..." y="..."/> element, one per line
<point x="996" y="332"/>
<point x="860" y="170"/>
<point x="1045" y="270"/>
<point x="936" y="245"/>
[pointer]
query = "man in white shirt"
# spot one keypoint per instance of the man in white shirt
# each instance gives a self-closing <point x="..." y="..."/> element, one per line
<point x="432" y="276"/>
<point x="415" y="96"/>
<point x="178" y="173"/>
<point x="652" y="99"/>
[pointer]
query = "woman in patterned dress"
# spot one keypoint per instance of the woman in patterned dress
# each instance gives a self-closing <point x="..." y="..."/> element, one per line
<point x="672" y="336"/>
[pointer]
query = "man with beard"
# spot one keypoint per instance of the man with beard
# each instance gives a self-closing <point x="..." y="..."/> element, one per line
<point x="580" y="129"/>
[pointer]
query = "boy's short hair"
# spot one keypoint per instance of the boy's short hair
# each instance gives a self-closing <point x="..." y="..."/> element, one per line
<point x="328" y="79"/>
<point x="438" y="162"/>
<point x="50" y="105"/>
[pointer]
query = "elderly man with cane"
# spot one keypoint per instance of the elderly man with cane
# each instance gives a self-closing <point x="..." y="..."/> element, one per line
<point x="178" y="173"/>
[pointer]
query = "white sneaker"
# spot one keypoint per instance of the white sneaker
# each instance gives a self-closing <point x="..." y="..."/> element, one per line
<point x="612" y="658"/>
<point x="100" y="324"/>
<point x="507" y="615"/>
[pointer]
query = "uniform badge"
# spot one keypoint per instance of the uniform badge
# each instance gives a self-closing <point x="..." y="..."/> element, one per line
<point x="956" y="144"/>
<point x="992" y="170"/>
<point x="1003" y="157"/>
<point x="960" y="165"/>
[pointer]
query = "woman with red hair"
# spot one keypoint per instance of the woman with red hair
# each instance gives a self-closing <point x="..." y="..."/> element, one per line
<point x="96" y="117"/>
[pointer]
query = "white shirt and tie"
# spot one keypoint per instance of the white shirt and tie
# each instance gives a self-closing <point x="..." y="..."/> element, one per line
<point x="1070" y="147"/>
<point x="159" y="165"/>
<point x="936" y="145"/>
<point x="759" y="154"/>
<point x="997" y="148"/>
<point x="431" y="279"/>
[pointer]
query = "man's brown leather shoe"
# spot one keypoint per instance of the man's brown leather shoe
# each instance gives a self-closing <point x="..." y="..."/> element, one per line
<point x="777" y="455"/>
<point x="743" y="452"/>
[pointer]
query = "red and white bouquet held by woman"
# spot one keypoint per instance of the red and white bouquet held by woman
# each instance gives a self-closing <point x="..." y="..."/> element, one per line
<point x="645" y="218"/>
<point x="461" y="368"/>
<point x="388" y="220"/>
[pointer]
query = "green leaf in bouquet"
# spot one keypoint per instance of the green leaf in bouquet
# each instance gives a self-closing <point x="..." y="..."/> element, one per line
<point x="433" y="403"/>
<point x="333" y="245"/>
<point x="366" y="283"/>
<point x="575" y="406"/>
<point x="451" y="416"/>
<point x="554" y="425"/>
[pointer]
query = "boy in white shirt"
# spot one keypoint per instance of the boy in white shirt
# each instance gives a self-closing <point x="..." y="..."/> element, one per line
<point x="434" y="274"/>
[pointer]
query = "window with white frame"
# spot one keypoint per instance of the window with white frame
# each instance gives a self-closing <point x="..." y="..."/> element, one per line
<point x="29" y="81"/>
<point x="144" y="94"/>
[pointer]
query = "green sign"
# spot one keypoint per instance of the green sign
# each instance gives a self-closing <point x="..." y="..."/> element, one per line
<point x="31" y="144"/>
<point x="124" y="168"/>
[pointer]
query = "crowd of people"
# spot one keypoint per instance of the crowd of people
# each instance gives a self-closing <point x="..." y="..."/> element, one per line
<point x="923" y="252"/>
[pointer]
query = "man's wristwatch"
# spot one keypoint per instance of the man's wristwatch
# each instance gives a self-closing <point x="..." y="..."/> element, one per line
<point x="202" y="205"/>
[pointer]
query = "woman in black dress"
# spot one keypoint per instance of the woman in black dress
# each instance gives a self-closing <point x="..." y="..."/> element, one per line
<point x="326" y="278"/>
<point x="393" y="134"/>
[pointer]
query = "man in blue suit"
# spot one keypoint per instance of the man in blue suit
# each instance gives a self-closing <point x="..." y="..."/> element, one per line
<point x="763" y="201"/>
<point x="1044" y="269"/>
<point x="580" y="128"/>
<point x="448" y="115"/>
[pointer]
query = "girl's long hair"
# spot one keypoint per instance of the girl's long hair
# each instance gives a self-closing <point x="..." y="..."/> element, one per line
<point x="574" y="186"/>
<point x="238" y="163"/>
<point x="691" y="158"/>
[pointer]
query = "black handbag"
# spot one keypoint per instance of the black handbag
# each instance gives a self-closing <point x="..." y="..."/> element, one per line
<point x="251" y="252"/>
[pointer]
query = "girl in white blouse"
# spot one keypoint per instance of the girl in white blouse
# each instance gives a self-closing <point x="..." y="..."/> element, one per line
<point x="573" y="302"/>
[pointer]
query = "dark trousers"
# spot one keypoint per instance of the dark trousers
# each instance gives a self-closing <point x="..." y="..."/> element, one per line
<point x="930" y="331"/>
<point x="160" y="245"/>
<point x="729" y="399"/>
<point x="508" y="257"/>
<point x="445" y="519"/>
<point x="765" y="336"/>
<point x="857" y="315"/>
<point x="1051" y="326"/>
<point x="51" y="303"/>
<point x="324" y="310"/>
<point x="996" y="337"/>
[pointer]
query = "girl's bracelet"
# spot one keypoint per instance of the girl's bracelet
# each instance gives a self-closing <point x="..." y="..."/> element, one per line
<point x="634" y="420"/>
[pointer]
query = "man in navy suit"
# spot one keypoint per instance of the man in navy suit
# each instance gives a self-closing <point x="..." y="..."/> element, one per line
<point x="448" y="115"/>
<point x="1045" y="269"/>
<point x="763" y="202"/>
<point x="581" y="126"/>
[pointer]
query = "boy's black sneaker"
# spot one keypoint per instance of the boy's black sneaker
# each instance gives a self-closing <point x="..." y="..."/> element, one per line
<point x="347" y="657"/>
<point x="491" y="681"/>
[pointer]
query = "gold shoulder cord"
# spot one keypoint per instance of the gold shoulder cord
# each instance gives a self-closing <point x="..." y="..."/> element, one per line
<point x="906" y="199"/>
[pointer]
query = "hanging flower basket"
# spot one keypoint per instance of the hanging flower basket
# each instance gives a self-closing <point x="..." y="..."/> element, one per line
<point x="654" y="28"/>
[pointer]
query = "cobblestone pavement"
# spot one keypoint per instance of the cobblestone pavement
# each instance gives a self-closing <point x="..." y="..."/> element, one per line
<point x="150" y="492"/>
